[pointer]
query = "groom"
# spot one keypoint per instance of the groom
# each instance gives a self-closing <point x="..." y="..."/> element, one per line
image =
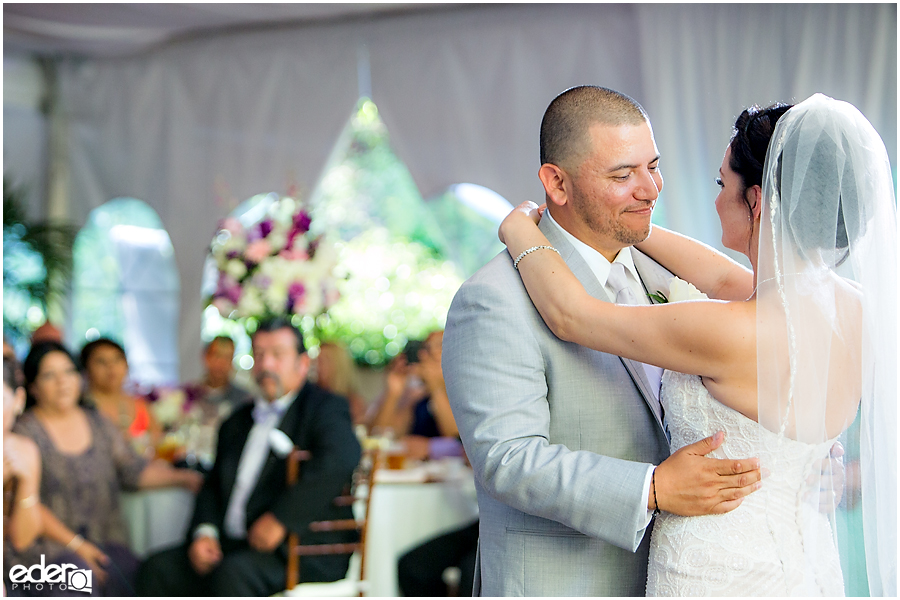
<point x="564" y="439"/>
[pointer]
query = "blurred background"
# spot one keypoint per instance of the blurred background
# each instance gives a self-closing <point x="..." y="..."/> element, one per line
<point x="404" y="131"/>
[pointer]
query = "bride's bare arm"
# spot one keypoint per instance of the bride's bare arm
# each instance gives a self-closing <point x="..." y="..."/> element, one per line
<point x="712" y="272"/>
<point x="710" y="338"/>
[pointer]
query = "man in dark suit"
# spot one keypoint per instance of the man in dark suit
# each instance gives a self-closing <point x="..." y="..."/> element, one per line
<point x="245" y="508"/>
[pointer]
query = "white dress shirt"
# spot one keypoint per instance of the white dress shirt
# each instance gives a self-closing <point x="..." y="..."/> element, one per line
<point x="253" y="458"/>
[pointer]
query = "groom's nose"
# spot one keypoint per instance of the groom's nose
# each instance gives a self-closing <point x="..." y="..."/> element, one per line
<point x="648" y="186"/>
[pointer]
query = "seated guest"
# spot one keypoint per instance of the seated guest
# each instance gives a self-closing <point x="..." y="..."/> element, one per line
<point x="48" y="332"/>
<point x="216" y="395"/>
<point x="21" y="470"/>
<point x="85" y="463"/>
<point x="425" y="424"/>
<point x="235" y="545"/>
<point x="106" y="370"/>
<point x="336" y="373"/>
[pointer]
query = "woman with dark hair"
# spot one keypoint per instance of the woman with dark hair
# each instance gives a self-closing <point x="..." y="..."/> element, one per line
<point x="782" y="360"/>
<point x="85" y="464"/>
<point x="106" y="370"/>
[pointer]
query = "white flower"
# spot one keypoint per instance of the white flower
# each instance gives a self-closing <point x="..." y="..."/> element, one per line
<point x="277" y="240"/>
<point x="251" y="302"/>
<point x="680" y="290"/>
<point x="236" y="269"/>
<point x="168" y="407"/>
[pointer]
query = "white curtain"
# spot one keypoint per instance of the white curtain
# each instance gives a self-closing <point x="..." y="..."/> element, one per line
<point x="703" y="64"/>
<point x="197" y="126"/>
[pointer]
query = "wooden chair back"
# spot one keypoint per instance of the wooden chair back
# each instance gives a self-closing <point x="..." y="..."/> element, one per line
<point x="361" y="490"/>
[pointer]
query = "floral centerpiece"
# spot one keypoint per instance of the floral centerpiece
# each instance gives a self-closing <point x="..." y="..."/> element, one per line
<point x="270" y="264"/>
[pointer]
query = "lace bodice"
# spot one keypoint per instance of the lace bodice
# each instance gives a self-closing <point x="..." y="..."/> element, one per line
<point x="757" y="549"/>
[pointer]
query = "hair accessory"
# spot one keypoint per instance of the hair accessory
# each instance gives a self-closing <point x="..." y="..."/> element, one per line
<point x="529" y="251"/>
<point x="750" y="121"/>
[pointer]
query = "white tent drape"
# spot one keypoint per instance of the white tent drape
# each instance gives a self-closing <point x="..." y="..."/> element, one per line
<point x="461" y="91"/>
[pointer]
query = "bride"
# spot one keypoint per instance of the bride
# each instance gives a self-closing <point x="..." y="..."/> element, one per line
<point x="782" y="359"/>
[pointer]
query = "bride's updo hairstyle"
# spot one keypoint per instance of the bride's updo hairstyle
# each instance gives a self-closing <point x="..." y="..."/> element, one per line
<point x="749" y="142"/>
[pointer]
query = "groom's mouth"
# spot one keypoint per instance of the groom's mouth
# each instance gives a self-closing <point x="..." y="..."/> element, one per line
<point x="644" y="210"/>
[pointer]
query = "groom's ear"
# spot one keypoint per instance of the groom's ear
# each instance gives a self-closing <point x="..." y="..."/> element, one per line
<point x="556" y="183"/>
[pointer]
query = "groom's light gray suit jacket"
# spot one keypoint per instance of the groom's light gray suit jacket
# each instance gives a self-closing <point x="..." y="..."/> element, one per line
<point x="559" y="436"/>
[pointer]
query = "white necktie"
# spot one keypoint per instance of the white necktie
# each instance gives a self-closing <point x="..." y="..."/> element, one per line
<point x="618" y="283"/>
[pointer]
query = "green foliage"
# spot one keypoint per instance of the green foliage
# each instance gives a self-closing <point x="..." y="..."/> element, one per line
<point x="37" y="265"/>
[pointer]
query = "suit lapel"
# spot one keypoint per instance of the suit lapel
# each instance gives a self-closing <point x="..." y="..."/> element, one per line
<point x="587" y="278"/>
<point x="654" y="277"/>
<point x="229" y="473"/>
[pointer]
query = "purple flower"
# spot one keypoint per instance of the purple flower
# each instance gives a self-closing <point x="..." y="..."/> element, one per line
<point x="302" y="221"/>
<point x="296" y="291"/>
<point x="265" y="228"/>
<point x="228" y="288"/>
<point x="192" y="393"/>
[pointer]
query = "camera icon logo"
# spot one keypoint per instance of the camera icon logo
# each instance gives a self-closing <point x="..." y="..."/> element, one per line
<point x="80" y="580"/>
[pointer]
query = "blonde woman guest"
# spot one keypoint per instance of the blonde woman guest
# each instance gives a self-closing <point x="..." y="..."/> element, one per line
<point x="336" y="373"/>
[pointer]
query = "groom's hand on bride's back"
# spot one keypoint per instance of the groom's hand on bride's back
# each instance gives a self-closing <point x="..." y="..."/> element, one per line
<point x="689" y="484"/>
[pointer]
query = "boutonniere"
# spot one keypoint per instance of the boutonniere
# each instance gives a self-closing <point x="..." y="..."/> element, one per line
<point x="681" y="290"/>
<point x="658" y="298"/>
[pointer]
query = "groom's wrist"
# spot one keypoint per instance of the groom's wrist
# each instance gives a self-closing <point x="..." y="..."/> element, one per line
<point x="648" y="489"/>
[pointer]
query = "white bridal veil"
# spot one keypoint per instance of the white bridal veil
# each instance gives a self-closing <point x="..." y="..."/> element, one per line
<point x="827" y="322"/>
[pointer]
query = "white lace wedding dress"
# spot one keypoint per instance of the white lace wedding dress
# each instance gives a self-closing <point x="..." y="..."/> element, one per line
<point x="754" y="550"/>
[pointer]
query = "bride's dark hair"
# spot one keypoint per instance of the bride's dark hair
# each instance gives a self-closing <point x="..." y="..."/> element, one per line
<point x="749" y="141"/>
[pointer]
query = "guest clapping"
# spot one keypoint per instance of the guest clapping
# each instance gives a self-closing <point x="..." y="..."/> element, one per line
<point x="85" y="463"/>
<point x="419" y="417"/>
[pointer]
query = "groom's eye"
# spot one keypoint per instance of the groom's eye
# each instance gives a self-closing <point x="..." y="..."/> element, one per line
<point x="719" y="182"/>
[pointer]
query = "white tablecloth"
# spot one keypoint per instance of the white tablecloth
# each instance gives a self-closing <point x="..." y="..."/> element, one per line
<point x="404" y="515"/>
<point x="157" y="519"/>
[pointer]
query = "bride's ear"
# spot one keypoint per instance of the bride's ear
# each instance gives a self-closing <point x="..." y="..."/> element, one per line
<point x="754" y="196"/>
<point x="556" y="183"/>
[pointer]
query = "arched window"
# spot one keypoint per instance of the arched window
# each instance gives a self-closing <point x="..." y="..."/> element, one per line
<point x="125" y="286"/>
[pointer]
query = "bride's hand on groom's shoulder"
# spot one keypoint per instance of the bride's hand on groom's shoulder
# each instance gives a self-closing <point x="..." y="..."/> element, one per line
<point x="688" y="483"/>
<point x="514" y="219"/>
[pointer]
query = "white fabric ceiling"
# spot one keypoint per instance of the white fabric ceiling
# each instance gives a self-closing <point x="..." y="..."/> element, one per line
<point x="122" y="29"/>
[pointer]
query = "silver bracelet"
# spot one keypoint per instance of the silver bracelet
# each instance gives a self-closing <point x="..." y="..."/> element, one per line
<point x="529" y="251"/>
<point x="75" y="543"/>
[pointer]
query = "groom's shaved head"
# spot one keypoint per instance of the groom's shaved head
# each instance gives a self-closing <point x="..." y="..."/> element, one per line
<point x="564" y="130"/>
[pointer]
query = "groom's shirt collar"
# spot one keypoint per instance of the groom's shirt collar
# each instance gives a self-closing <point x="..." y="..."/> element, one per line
<point x="597" y="262"/>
